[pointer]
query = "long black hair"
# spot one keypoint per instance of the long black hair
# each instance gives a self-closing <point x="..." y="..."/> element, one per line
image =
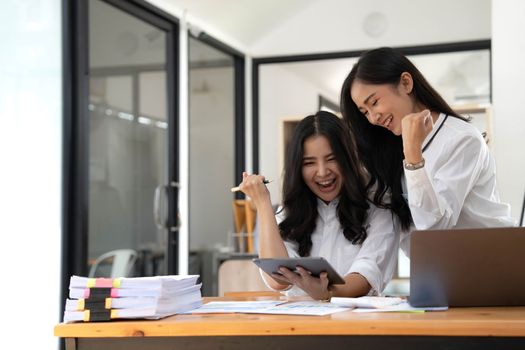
<point x="300" y="203"/>
<point x="379" y="149"/>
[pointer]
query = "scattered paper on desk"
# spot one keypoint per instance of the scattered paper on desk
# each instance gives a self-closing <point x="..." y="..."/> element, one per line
<point x="307" y="308"/>
<point x="402" y="307"/>
<point x="366" y="302"/>
<point x="235" y="306"/>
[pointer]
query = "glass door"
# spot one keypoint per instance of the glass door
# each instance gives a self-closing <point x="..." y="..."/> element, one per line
<point x="132" y="176"/>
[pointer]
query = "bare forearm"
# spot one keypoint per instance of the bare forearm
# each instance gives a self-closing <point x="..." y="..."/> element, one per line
<point x="271" y="244"/>
<point x="356" y="285"/>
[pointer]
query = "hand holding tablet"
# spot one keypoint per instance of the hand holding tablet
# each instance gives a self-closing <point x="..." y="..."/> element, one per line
<point x="314" y="265"/>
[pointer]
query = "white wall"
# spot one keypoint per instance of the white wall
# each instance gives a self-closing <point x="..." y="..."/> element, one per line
<point x="30" y="180"/>
<point x="337" y="25"/>
<point x="508" y="77"/>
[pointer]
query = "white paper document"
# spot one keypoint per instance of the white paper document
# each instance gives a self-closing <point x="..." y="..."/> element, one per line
<point x="366" y="302"/>
<point x="235" y="306"/>
<point x="307" y="308"/>
<point x="310" y="308"/>
<point x="402" y="307"/>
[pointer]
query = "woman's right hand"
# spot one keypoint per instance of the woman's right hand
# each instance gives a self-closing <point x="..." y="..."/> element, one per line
<point x="254" y="187"/>
<point x="315" y="287"/>
<point x="414" y="129"/>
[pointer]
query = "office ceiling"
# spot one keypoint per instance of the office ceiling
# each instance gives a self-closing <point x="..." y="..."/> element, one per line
<point x="244" y="21"/>
<point x="245" y="24"/>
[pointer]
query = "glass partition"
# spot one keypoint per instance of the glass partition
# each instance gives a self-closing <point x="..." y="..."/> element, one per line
<point x="212" y="154"/>
<point x="128" y="136"/>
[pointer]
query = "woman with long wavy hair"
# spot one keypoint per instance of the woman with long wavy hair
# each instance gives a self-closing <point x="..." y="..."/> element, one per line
<point x="325" y="212"/>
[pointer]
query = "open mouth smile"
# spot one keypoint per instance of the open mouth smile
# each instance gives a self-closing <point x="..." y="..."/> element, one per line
<point x="387" y="122"/>
<point x="326" y="185"/>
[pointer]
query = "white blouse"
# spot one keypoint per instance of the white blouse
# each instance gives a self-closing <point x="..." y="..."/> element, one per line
<point x="374" y="259"/>
<point x="457" y="186"/>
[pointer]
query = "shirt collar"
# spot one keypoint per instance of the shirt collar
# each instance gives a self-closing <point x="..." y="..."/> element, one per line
<point x="439" y="121"/>
<point x="324" y="208"/>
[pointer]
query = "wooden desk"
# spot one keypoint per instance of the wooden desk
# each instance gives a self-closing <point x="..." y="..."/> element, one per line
<point x="459" y="328"/>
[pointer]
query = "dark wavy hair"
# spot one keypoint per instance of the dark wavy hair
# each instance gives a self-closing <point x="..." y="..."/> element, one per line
<point x="300" y="203"/>
<point x="379" y="149"/>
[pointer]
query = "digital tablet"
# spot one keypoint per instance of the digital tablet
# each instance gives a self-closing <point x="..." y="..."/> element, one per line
<point x="314" y="265"/>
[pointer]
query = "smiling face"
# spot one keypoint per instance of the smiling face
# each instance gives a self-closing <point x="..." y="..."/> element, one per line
<point x="320" y="169"/>
<point x="385" y="105"/>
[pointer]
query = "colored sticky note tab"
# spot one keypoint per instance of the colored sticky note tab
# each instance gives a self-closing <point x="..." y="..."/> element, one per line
<point x="100" y="282"/>
<point x="86" y="316"/>
<point x="108" y="303"/>
<point x="117" y="282"/>
<point x="104" y="283"/>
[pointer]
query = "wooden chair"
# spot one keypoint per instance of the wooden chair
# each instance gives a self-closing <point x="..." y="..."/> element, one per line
<point x="251" y="216"/>
<point x="239" y="214"/>
<point x="240" y="275"/>
<point x="244" y="216"/>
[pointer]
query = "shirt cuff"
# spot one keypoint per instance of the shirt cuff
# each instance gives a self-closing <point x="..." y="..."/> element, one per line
<point x="417" y="182"/>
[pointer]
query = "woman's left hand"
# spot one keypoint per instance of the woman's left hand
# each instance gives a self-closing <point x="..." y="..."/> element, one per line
<point x="315" y="287"/>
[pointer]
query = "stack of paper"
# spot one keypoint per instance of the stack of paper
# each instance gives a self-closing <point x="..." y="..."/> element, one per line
<point x="103" y="299"/>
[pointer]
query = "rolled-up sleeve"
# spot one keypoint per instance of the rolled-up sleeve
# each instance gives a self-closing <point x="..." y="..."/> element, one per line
<point x="376" y="259"/>
<point x="436" y="195"/>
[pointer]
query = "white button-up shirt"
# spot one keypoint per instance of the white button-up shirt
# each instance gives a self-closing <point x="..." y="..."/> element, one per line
<point x="374" y="259"/>
<point x="457" y="186"/>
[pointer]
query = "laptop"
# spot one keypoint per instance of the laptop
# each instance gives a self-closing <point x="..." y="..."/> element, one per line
<point x="468" y="267"/>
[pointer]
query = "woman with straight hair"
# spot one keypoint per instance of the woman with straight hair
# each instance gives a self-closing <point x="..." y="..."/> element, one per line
<point x="325" y="213"/>
<point x="426" y="163"/>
